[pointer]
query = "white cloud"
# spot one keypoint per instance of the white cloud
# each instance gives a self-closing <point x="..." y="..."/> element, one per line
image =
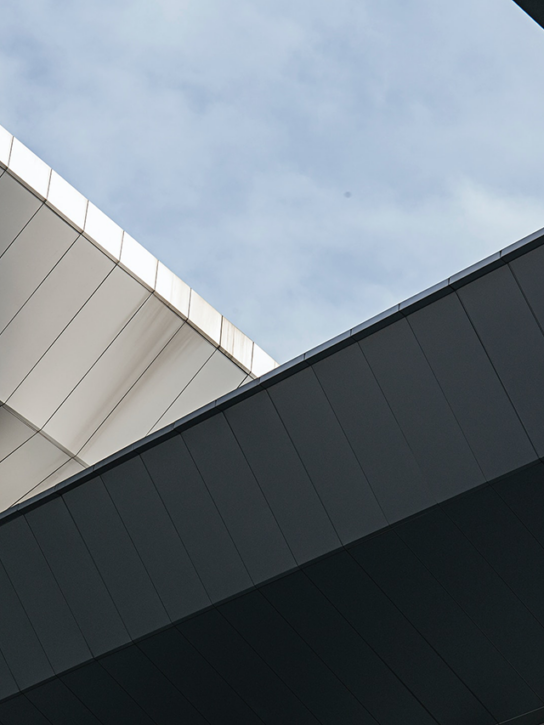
<point x="223" y="137"/>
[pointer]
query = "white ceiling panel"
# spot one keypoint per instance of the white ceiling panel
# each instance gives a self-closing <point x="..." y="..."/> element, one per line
<point x="103" y="230"/>
<point x="138" y="260"/>
<point x="17" y="206"/>
<point x="30" y="168"/>
<point x="39" y="322"/>
<point x="113" y="374"/>
<point x="29" y="260"/>
<point x="218" y="376"/>
<point x="13" y="432"/>
<point x="148" y="399"/>
<point x="26" y="467"/>
<point x="70" y="468"/>
<point x="67" y="200"/>
<point x="205" y="317"/>
<point x="78" y="347"/>
<point x="5" y="146"/>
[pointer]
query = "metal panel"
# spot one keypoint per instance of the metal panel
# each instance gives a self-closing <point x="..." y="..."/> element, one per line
<point x="70" y="468"/>
<point x="421" y="410"/>
<point x="79" y="346"/>
<point x="13" y="432"/>
<point x="500" y="536"/>
<point x="146" y="684"/>
<point x="294" y="662"/>
<point x="152" y="394"/>
<point x="197" y="679"/>
<point x="20" y="711"/>
<point x="469" y="579"/>
<point x="49" y="614"/>
<point x="327" y="456"/>
<point x="218" y="376"/>
<point x="514" y="342"/>
<point x="454" y="636"/>
<point x="77" y="576"/>
<point x="205" y="317"/>
<point x="122" y="363"/>
<point x="29" y="260"/>
<point x="17" y="206"/>
<point x="282" y="477"/>
<point x="373" y="433"/>
<point x="524" y="494"/>
<point x="19" y="644"/>
<point x="396" y="641"/>
<point x="104" y="697"/>
<point x="26" y="467"/>
<point x="155" y="537"/>
<point x="196" y="518"/>
<point x="471" y="386"/>
<point x="116" y="558"/>
<point x="239" y="499"/>
<point x="48" y="311"/>
<point x="251" y="677"/>
<point x="528" y="270"/>
<point x="343" y="650"/>
<point x="59" y="705"/>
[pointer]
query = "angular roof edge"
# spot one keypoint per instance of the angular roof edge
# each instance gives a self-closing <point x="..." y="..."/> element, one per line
<point x="104" y="233"/>
<point x="427" y="297"/>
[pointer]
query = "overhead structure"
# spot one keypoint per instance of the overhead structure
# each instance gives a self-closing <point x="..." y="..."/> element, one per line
<point x="100" y="344"/>
<point x="352" y="537"/>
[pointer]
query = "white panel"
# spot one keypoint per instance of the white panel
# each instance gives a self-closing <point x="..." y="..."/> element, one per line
<point x="67" y="201"/>
<point x="173" y="290"/>
<point x="205" y="317"/>
<point x="27" y="262"/>
<point x="247" y="379"/>
<point x="113" y="374"/>
<point x="68" y="469"/>
<point x="17" y="206"/>
<point x="218" y="376"/>
<point x="78" y="348"/>
<point x="262" y="363"/>
<point x="103" y="231"/>
<point x="49" y="310"/>
<point x="5" y="146"/>
<point x="13" y="432"/>
<point x="236" y="344"/>
<point x="26" y="467"/>
<point x="29" y="168"/>
<point x="146" y="402"/>
<point x="138" y="260"/>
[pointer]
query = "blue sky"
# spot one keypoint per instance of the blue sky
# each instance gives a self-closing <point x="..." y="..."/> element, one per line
<point x="224" y="137"/>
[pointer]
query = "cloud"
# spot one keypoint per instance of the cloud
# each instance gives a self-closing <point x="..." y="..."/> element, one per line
<point x="224" y="137"/>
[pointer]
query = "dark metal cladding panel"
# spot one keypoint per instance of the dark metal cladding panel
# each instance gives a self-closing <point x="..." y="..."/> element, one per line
<point x="282" y="477"/>
<point x="252" y="678"/>
<point x="528" y="270"/>
<point x="19" y="644"/>
<point x="40" y="596"/>
<point x="505" y="543"/>
<point x="59" y="705"/>
<point x="196" y="518"/>
<point x="19" y="711"/>
<point x="192" y="674"/>
<point x="341" y="648"/>
<point x="327" y="456"/>
<point x="397" y="641"/>
<point x="447" y="628"/>
<point x="8" y="685"/>
<point x="146" y="684"/>
<point x="239" y="499"/>
<point x="104" y="697"/>
<point x="514" y="342"/>
<point x="536" y="11"/>
<point x="116" y="557"/>
<point x="472" y="387"/>
<point x="77" y="576"/>
<point x="154" y="535"/>
<point x="373" y="433"/>
<point x="478" y="589"/>
<point x="421" y="410"/>
<point x="523" y="492"/>
<point x="293" y="660"/>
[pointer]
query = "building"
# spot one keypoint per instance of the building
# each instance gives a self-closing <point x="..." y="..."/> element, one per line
<point x="352" y="537"/>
